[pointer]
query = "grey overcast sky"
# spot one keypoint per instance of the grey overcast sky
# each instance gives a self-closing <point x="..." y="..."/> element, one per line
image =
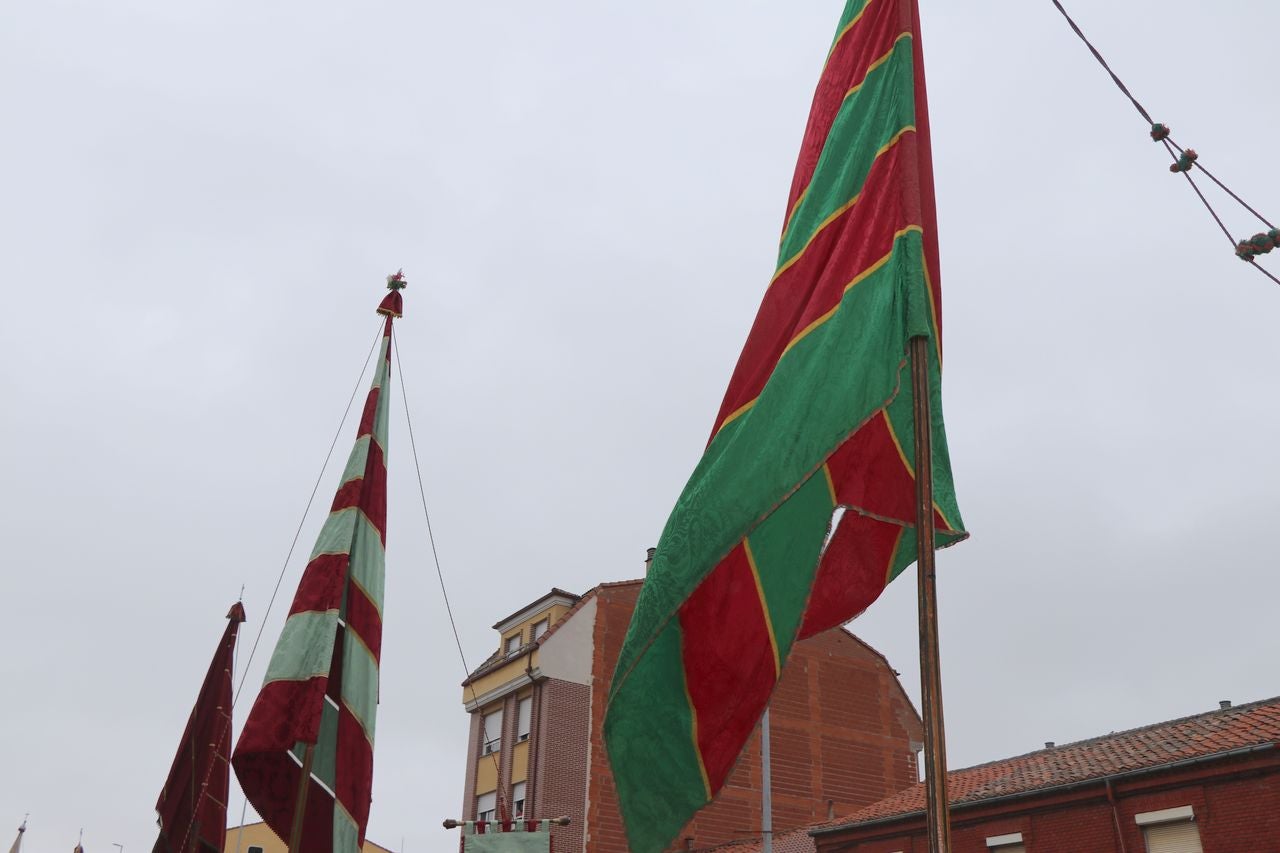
<point x="198" y="204"/>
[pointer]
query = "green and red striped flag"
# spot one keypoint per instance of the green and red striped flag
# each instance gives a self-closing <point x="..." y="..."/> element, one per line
<point x="817" y="417"/>
<point x="321" y="687"/>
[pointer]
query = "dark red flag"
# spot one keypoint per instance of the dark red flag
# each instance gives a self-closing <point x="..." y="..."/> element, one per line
<point x="192" y="808"/>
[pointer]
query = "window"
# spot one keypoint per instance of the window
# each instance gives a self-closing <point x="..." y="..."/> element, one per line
<point x="540" y="628"/>
<point x="253" y="848"/>
<point x="1170" y="831"/>
<point x="526" y="719"/>
<point x="492" y="735"/>
<point x="487" y="806"/>
<point x="511" y="644"/>
<point x="1180" y="837"/>
<point x="1009" y="843"/>
<point x="517" y="801"/>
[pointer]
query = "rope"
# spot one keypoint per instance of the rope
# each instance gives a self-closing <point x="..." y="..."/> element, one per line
<point x="435" y="556"/>
<point x="262" y="624"/>
<point x="307" y="511"/>
<point x="1184" y="161"/>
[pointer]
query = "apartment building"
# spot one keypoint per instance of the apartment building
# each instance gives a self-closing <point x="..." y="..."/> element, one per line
<point x="844" y="734"/>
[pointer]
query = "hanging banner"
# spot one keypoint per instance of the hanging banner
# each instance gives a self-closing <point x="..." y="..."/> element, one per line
<point x="525" y="836"/>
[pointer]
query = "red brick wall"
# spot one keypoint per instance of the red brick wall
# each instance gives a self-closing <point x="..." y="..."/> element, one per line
<point x="1236" y="804"/>
<point x="842" y="730"/>
<point x="558" y="783"/>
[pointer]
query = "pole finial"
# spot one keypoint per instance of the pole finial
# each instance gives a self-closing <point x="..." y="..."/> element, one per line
<point x="393" y="303"/>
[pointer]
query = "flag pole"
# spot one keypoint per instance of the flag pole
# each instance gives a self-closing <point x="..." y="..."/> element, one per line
<point x="935" y="741"/>
<point x="300" y="804"/>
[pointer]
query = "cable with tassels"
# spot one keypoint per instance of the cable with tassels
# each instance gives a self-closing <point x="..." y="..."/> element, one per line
<point x="1185" y="160"/>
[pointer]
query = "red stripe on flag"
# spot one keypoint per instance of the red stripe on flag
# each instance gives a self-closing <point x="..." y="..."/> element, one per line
<point x="321" y="584"/>
<point x="729" y="673"/>
<point x="364" y="620"/>
<point x="868" y="473"/>
<point x="920" y="185"/>
<point x="369" y="493"/>
<point x="355" y="763"/>
<point x="852" y="573"/>
<point x="815" y="283"/>
<point x="369" y="413"/>
<point x="294" y="709"/>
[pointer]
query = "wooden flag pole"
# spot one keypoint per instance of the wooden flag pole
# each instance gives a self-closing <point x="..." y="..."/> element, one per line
<point x="935" y="741"/>
<point x="300" y="804"/>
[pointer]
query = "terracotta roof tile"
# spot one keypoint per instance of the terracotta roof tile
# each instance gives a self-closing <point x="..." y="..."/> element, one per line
<point x="1144" y="748"/>
<point x="795" y="841"/>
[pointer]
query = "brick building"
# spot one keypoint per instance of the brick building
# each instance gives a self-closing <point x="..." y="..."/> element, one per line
<point x="1203" y="784"/>
<point x="844" y="734"/>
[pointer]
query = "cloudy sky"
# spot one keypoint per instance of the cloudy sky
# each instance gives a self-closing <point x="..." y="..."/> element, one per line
<point x="199" y="202"/>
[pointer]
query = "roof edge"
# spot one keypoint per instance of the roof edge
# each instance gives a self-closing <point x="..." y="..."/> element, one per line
<point x="814" y="832"/>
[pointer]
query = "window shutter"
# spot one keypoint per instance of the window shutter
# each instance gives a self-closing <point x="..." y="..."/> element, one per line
<point x="492" y="732"/>
<point x="526" y="718"/>
<point x="1180" y="837"/>
<point x="486" y="804"/>
<point x="517" y="801"/>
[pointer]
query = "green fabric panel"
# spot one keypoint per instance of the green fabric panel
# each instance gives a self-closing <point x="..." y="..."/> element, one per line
<point x="906" y="553"/>
<point x="867" y="121"/>
<point x="357" y="461"/>
<point x="786" y="549"/>
<point x="508" y="842"/>
<point x="335" y="536"/>
<point x="305" y="648"/>
<point x="368" y="564"/>
<point x="902" y="415"/>
<point x="652" y="700"/>
<point x="324" y="763"/>
<point x="796" y="423"/>
<point x="346" y="835"/>
<point x="944" y="488"/>
<point x="360" y="682"/>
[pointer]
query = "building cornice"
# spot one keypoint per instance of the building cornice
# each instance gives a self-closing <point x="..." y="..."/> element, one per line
<point x="524" y="679"/>
<point x="551" y="599"/>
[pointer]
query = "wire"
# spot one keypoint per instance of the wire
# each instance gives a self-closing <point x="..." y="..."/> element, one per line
<point x="302" y="521"/>
<point x="1175" y="150"/>
<point x="1098" y="56"/>
<point x="263" y="623"/>
<point x="435" y="556"/>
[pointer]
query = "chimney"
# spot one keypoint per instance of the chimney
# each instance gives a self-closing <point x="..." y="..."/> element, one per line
<point x="831" y="809"/>
<point x="1049" y="744"/>
<point x="648" y="559"/>
<point x="1224" y="704"/>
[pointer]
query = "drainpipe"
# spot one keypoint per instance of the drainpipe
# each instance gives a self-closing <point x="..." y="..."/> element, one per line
<point x="1115" y="816"/>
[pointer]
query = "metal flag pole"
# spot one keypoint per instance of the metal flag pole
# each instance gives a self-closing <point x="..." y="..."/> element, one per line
<point x="300" y="805"/>
<point x="766" y="796"/>
<point x="935" y="741"/>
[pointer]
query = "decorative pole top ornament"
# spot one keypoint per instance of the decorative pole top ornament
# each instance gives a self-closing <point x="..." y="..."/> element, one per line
<point x="393" y="303"/>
